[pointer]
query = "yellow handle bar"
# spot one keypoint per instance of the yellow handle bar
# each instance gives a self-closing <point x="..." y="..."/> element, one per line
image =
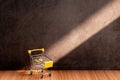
<point x="30" y="51"/>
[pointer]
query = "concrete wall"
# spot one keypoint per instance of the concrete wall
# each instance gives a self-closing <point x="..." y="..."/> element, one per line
<point x="29" y="24"/>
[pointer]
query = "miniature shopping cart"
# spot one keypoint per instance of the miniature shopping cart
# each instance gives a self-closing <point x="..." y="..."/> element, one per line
<point x="40" y="62"/>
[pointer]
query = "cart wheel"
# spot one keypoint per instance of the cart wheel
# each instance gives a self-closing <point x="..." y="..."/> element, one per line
<point x="49" y="74"/>
<point x="41" y="76"/>
<point x="42" y="71"/>
<point x="31" y="72"/>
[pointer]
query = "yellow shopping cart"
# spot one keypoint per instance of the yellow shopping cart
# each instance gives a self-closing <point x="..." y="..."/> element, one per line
<point x="40" y="62"/>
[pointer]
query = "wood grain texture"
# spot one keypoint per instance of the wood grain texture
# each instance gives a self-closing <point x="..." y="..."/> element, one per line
<point x="63" y="75"/>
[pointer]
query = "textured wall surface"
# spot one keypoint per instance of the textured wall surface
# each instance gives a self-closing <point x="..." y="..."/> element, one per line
<point x="99" y="52"/>
<point x="28" y="24"/>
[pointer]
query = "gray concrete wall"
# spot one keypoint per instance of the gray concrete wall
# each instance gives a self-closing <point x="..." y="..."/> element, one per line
<point x="29" y="24"/>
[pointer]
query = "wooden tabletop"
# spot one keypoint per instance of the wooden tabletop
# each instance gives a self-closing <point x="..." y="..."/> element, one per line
<point x="63" y="75"/>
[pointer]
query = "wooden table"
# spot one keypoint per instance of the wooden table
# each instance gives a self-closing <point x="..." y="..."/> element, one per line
<point x="63" y="75"/>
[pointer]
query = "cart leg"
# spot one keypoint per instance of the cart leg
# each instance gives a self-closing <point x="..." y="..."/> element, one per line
<point x="49" y="72"/>
<point x="31" y="72"/>
<point x="41" y="75"/>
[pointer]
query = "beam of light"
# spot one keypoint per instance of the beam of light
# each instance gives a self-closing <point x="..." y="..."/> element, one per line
<point x="84" y="31"/>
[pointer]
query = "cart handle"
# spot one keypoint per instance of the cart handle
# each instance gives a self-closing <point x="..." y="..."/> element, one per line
<point x="30" y="51"/>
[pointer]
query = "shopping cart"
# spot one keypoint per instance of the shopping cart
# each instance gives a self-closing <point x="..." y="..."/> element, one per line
<point x="40" y="62"/>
